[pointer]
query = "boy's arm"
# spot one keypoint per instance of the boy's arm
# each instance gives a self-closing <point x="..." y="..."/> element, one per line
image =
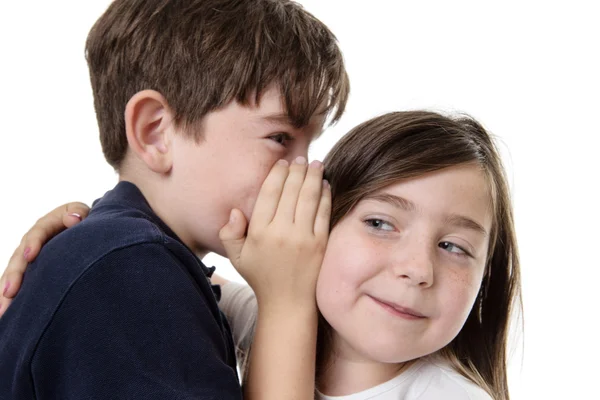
<point x="280" y="258"/>
<point x="134" y="326"/>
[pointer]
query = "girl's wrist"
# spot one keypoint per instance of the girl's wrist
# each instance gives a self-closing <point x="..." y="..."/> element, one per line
<point x="285" y="311"/>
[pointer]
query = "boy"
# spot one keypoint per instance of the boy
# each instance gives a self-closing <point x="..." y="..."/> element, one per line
<point x="196" y="101"/>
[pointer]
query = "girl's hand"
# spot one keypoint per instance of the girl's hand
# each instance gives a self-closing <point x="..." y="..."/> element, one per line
<point x="45" y="228"/>
<point x="280" y="258"/>
<point x="281" y="255"/>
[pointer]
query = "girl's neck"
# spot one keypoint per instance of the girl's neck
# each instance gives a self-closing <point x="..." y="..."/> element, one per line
<point x="345" y="371"/>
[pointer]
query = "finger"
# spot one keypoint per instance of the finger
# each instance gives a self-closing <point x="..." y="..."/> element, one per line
<point x="17" y="262"/>
<point x="11" y="278"/>
<point x="269" y="195"/>
<point x="49" y="226"/>
<point x="233" y="235"/>
<point x="74" y="214"/>
<point x="4" y="303"/>
<point x="310" y="197"/>
<point x="286" y="209"/>
<point x="323" y="217"/>
<point x="11" y="283"/>
<point x="45" y="228"/>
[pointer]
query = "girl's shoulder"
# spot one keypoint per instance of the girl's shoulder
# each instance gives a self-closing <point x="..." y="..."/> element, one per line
<point x="437" y="379"/>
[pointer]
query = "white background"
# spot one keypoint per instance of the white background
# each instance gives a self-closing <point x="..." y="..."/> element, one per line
<point x="528" y="70"/>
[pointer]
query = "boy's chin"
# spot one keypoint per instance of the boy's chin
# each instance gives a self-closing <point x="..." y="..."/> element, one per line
<point x="218" y="250"/>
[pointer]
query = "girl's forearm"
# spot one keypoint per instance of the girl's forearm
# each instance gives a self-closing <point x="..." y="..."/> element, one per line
<point x="283" y="354"/>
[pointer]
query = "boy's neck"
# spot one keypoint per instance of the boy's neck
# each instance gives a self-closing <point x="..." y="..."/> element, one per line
<point x="345" y="371"/>
<point x="152" y="191"/>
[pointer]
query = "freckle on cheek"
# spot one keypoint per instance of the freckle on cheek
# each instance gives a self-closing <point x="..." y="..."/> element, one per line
<point x="461" y="279"/>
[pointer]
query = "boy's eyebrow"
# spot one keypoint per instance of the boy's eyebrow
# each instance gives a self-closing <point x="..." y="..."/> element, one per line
<point x="407" y="205"/>
<point x="284" y="117"/>
<point x="278" y="118"/>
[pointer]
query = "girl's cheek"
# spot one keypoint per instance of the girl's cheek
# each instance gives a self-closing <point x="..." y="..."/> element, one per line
<point x="335" y="283"/>
<point x="349" y="262"/>
<point x="459" y="297"/>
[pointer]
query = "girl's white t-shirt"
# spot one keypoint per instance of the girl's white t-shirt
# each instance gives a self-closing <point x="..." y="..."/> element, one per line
<point x="429" y="378"/>
<point x="426" y="379"/>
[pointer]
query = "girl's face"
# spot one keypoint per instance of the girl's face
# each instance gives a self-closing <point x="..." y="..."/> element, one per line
<point x="403" y="269"/>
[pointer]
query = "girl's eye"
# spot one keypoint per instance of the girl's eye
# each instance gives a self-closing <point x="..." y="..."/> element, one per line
<point x="452" y="248"/>
<point x="281" y="138"/>
<point x="379" y="224"/>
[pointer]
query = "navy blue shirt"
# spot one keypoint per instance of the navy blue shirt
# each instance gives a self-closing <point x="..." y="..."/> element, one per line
<point x="117" y="307"/>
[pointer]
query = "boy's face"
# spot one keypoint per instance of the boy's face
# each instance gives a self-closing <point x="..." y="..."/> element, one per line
<point x="226" y="168"/>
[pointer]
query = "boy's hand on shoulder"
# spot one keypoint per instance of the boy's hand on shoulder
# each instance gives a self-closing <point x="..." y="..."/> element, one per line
<point x="281" y="255"/>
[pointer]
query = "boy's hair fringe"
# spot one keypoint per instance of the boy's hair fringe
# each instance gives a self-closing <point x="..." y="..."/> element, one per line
<point x="203" y="54"/>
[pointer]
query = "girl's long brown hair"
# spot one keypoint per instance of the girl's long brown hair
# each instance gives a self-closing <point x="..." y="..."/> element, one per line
<point x="401" y="145"/>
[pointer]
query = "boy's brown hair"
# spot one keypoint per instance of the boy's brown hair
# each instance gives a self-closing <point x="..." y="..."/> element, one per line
<point x="203" y="54"/>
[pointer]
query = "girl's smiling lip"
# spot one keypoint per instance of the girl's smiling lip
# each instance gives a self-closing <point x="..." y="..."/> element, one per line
<point x="398" y="310"/>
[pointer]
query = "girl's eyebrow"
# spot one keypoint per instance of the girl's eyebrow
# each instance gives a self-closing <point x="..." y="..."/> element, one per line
<point x="465" y="222"/>
<point x="396" y="201"/>
<point x="407" y="205"/>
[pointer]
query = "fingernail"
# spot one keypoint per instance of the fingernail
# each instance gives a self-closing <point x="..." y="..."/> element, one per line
<point x="300" y="160"/>
<point x="316" y="164"/>
<point x="326" y="184"/>
<point x="283" y="162"/>
<point x="75" y="215"/>
<point x="26" y="252"/>
<point x="6" y="288"/>
<point x="232" y="217"/>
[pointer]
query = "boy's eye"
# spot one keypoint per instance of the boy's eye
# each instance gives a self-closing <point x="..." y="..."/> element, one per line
<point x="379" y="224"/>
<point x="281" y="138"/>
<point x="452" y="248"/>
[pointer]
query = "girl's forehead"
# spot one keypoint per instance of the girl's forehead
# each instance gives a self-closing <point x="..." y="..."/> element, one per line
<point x="463" y="177"/>
<point x="462" y="189"/>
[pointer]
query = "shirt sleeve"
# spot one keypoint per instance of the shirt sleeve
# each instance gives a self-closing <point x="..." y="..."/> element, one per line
<point x="134" y="325"/>
<point x="238" y="303"/>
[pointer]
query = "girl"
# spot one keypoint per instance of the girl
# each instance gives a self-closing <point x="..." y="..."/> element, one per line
<point x="421" y="271"/>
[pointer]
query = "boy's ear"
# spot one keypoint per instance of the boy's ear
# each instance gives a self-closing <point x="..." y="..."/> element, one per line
<point x="148" y="127"/>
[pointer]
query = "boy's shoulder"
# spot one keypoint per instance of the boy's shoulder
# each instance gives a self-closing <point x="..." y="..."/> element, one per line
<point x="119" y="242"/>
<point x="102" y="303"/>
<point x="105" y="231"/>
<point x="122" y="231"/>
<point x="111" y="274"/>
<point x="122" y="218"/>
